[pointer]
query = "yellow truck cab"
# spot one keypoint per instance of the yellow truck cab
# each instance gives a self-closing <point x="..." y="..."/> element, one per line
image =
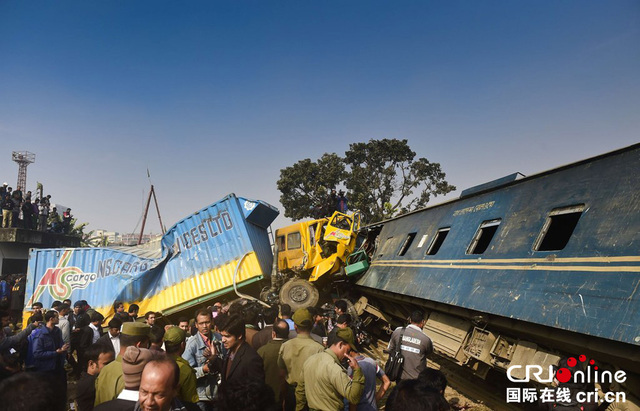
<point x="311" y="249"/>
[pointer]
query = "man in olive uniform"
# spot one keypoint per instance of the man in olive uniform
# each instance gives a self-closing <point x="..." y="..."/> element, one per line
<point x="174" y="345"/>
<point x="292" y="356"/>
<point x="325" y="381"/>
<point x="110" y="382"/>
<point x="274" y="375"/>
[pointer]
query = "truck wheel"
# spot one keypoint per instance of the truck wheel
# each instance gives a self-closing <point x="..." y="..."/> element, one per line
<point x="299" y="293"/>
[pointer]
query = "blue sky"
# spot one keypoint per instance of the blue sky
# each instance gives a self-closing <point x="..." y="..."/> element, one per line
<point x="217" y="97"/>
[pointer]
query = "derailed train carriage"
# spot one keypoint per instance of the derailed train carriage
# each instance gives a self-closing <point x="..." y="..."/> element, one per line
<point x="522" y="271"/>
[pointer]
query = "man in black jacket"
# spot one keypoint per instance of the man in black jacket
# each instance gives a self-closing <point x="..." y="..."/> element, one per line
<point x="263" y="336"/>
<point x="98" y="355"/>
<point x="112" y="337"/>
<point x="242" y="363"/>
<point x="78" y="319"/>
<point x="89" y="336"/>
<point x="27" y="211"/>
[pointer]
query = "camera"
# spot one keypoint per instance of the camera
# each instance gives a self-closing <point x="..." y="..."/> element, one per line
<point x="363" y="338"/>
<point x="328" y="311"/>
<point x="216" y="364"/>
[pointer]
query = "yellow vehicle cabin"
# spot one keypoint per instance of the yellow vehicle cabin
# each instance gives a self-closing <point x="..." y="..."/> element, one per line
<point x="314" y="248"/>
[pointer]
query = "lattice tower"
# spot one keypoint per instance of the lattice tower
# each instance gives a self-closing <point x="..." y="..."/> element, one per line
<point x="23" y="158"/>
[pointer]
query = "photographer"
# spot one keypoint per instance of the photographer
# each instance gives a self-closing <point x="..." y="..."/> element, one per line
<point x="262" y="337"/>
<point x="319" y="327"/>
<point x="199" y="349"/>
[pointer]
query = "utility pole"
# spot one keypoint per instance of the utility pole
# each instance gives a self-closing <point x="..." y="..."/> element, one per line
<point x="23" y="158"/>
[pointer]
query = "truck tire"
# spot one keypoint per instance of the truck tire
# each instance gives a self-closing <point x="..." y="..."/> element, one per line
<point x="299" y="293"/>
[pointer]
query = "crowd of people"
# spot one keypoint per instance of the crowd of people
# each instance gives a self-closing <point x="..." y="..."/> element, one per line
<point x="239" y="356"/>
<point x="21" y="211"/>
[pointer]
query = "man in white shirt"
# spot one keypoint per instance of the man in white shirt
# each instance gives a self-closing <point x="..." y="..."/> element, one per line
<point x="63" y="325"/>
<point x="96" y="321"/>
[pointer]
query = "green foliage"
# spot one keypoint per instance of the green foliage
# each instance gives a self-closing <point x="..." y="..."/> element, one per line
<point x="305" y="184"/>
<point x="78" y="231"/>
<point x="385" y="175"/>
<point x="384" y="179"/>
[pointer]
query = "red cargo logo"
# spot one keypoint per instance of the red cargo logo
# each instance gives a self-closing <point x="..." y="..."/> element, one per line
<point x="62" y="280"/>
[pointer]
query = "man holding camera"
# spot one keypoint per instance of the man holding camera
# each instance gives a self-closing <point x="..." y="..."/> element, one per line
<point x="199" y="349"/>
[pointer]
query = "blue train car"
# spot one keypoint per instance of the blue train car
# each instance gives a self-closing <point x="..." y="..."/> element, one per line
<point x="523" y="267"/>
<point x="194" y="262"/>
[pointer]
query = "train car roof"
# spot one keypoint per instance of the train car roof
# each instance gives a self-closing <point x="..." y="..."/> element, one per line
<point x="507" y="181"/>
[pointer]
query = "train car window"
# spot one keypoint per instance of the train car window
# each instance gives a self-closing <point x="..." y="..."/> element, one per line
<point x="293" y="241"/>
<point x="341" y="221"/>
<point x="437" y="241"/>
<point x="558" y="228"/>
<point x="407" y="244"/>
<point x="483" y="236"/>
<point x="280" y="242"/>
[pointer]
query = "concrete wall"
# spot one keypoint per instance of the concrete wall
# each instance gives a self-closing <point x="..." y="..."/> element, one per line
<point x="15" y="244"/>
